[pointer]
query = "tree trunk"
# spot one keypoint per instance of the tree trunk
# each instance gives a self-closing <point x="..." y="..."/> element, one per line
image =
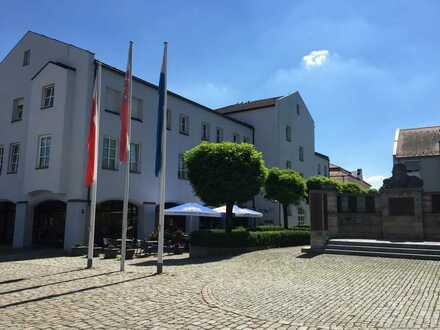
<point x="228" y="217"/>
<point x="286" y="223"/>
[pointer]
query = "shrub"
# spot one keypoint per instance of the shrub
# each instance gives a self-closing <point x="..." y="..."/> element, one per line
<point x="267" y="228"/>
<point x="322" y="182"/>
<point x="244" y="239"/>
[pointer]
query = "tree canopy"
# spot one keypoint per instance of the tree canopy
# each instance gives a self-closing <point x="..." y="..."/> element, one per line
<point x="225" y="173"/>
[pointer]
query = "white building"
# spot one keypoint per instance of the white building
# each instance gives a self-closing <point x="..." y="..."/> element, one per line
<point x="285" y="133"/>
<point x="45" y="95"/>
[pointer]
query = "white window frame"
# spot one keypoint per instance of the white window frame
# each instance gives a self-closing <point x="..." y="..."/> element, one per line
<point x="17" y="109"/>
<point x="301" y="153"/>
<point x="182" y="171"/>
<point x="288" y="133"/>
<point x="205" y="131"/>
<point x="108" y="161"/>
<point x="48" y="101"/>
<point x="43" y="154"/>
<point x="14" y="158"/>
<point x="2" y="154"/>
<point x="135" y="164"/>
<point x="27" y="57"/>
<point x="169" y="119"/>
<point x="219" y="134"/>
<point x="301" y="216"/>
<point x="184" y="124"/>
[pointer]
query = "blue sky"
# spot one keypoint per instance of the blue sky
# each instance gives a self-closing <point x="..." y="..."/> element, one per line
<point x="364" y="68"/>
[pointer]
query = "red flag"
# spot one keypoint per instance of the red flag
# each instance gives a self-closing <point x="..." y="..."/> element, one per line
<point x="125" y="115"/>
<point x="92" y="140"/>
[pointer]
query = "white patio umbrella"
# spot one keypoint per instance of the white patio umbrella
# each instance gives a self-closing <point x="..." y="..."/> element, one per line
<point x="240" y="212"/>
<point x="194" y="210"/>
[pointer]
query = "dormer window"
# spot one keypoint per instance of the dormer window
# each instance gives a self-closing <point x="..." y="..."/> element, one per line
<point x="27" y="57"/>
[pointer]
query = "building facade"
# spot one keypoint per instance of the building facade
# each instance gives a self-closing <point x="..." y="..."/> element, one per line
<point x="322" y="164"/>
<point x="419" y="150"/>
<point x="285" y="133"/>
<point x="341" y="174"/>
<point x="45" y="95"/>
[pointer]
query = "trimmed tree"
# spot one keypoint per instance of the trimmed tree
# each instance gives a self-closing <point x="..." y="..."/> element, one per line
<point x="286" y="187"/>
<point x="225" y="173"/>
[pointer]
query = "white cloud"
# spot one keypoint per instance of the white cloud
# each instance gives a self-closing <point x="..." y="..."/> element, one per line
<point x="376" y="181"/>
<point x="208" y="93"/>
<point x="315" y="58"/>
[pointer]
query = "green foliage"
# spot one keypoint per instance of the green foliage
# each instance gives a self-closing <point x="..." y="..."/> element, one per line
<point x="322" y="182"/>
<point x="225" y="172"/>
<point x="284" y="186"/>
<point x="243" y="238"/>
<point x="325" y="183"/>
<point x="278" y="228"/>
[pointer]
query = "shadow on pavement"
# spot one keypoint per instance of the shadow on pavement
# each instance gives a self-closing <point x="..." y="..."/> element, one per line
<point x="183" y="261"/>
<point x="74" y="291"/>
<point x="10" y="254"/>
<point x="54" y="283"/>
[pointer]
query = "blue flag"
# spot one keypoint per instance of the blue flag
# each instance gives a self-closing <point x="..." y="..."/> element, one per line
<point x="161" y="112"/>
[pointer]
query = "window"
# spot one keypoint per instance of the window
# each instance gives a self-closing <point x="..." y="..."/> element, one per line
<point x="401" y="205"/>
<point x="370" y="206"/>
<point x="319" y="169"/>
<point x="325" y="171"/>
<point x="27" y="57"/>
<point x="236" y="138"/>
<point x="288" y="133"/>
<point x="2" y="153"/>
<point x="17" y="109"/>
<point x="113" y="100"/>
<point x="301" y="216"/>
<point x="288" y="164"/>
<point x="246" y="139"/>
<point x="14" y="155"/>
<point x="48" y="96"/>
<point x="135" y="157"/>
<point x="297" y="109"/>
<point x="182" y="172"/>
<point x="219" y="135"/>
<point x="136" y="108"/>
<point x="109" y="153"/>
<point x="435" y="198"/>
<point x="205" y="131"/>
<point x="301" y="154"/>
<point x="352" y="204"/>
<point x="169" y="119"/>
<point x="184" y="124"/>
<point x="43" y="151"/>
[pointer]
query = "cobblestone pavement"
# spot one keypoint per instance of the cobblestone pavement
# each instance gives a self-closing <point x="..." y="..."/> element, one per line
<point x="266" y="289"/>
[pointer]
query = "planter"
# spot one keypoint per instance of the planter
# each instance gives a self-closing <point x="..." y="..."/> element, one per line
<point x="204" y="251"/>
<point x="110" y="253"/>
<point x="78" y="251"/>
<point x="129" y="254"/>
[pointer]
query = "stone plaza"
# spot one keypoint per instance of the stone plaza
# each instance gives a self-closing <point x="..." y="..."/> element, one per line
<point x="275" y="288"/>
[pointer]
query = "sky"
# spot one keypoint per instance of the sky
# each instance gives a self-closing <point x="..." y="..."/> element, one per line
<point x="364" y="68"/>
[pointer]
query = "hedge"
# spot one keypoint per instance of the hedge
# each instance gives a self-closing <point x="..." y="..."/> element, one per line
<point x="278" y="228"/>
<point x="243" y="238"/>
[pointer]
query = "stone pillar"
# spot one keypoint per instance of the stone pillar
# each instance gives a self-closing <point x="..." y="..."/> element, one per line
<point x="23" y="225"/>
<point x="332" y="213"/>
<point x="146" y="220"/>
<point x="318" y="217"/>
<point x="77" y="223"/>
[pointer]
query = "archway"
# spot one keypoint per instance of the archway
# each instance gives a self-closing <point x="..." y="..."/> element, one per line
<point x="49" y="224"/>
<point x="109" y="220"/>
<point x="7" y="221"/>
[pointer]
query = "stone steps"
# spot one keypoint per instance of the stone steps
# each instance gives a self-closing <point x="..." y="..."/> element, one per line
<point x="409" y="250"/>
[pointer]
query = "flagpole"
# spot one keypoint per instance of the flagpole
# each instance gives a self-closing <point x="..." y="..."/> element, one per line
<point x="162" y="169"/>
<point x="95" y="169"/>
<point x="127" y="171"/>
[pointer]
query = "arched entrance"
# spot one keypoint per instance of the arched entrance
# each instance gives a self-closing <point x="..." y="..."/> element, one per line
<point x="49" y="224"/>
<point x="7" y="221"/>
<point x="109" y="221"/>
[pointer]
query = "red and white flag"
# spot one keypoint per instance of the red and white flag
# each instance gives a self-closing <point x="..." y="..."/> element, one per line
<point x="92" y="141"/>
<point x="124" y="140"/>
